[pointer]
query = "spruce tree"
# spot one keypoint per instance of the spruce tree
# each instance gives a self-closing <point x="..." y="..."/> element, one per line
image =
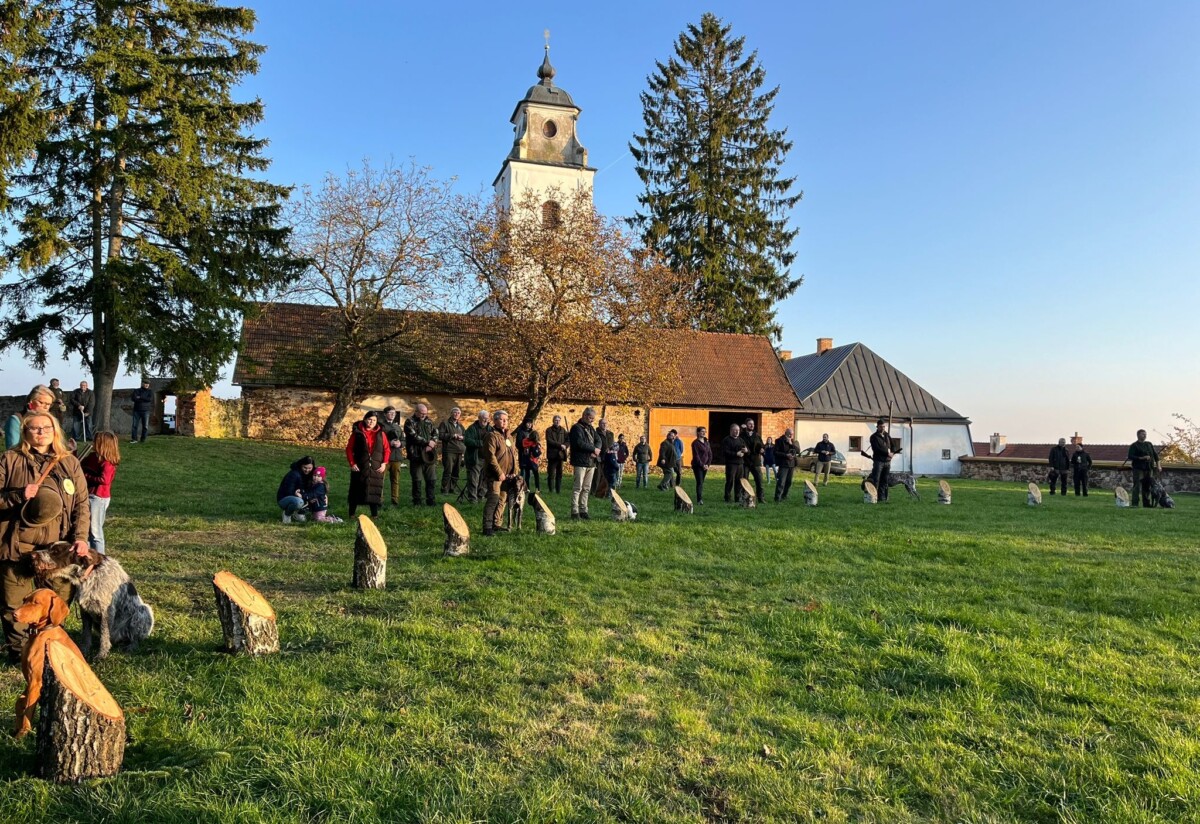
<point x="139" y="222"/>
<point x="715" y="205"/>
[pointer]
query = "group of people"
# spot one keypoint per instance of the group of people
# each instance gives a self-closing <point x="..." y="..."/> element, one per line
<point x="48" y="494"/>
<point x="1142" y="456"/>
<point x="75" y="412"/>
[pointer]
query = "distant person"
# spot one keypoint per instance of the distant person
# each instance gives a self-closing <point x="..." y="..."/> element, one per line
<point x="1081" y="462"/>
<point x="611" y="467"/>
<point x="39" y="399"/>
<point x="825" y="453"/>
<point x="733" y="452"/>
<point x="293" y="488"/>
<point x="317" y="498"/>
<point x="143" y="402"/>
<point x="769" y="459"/>
<point x="531" y="458"/>
<point x="753" y="459"/>
<point x="881" y="459"/>
<point x="622" y="459"/>
<point x="59" y="407"/>
<point x="367" y="452"/>
<point x="393" y="430"/>
<point x="500" y="460"/>
<point x="83" y="404"/>
<point x="586" y="444"/>
<point x="668" y="461"/>
<point x="1060" y="464"/>
<point x="476" y="440"/>
<point x="557" y="452"/>
<point x="702" y="457"/>
<point x="786" y="453"/>
<point x="1145" y="464"/>
<point x="454" y="449"/>
<point x="643" y="456"/>
<point x="421" y="438"/>
<point x="100" y="467"/>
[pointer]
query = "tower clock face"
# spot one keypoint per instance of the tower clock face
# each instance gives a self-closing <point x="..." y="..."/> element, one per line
<point x="549" y="128"/>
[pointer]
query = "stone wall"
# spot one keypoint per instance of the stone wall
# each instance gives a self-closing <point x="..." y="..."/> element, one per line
<point x="200" y="415"/>
<point x="1104" y="474"/>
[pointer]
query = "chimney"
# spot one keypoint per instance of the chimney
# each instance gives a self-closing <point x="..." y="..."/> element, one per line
<point x="996" y="444"/>
<point x="1078" y="439"/>
<point x="824" y="345"/>
<point x="785" y="354"/>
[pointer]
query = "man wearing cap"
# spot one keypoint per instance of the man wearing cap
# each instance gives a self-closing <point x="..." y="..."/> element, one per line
<point x="585" y="446"/>
<point x="392" y="427"/>
<point x="43" y="499"/>
<point x="143" y="400"/>
<point x="420" y="435"/>
<point x="1060" y="462"/>
<point x="454" y="449"/>
<point x="500" y="458"/>
<point x="475" y="438"/>
<point x="881" y="459"/>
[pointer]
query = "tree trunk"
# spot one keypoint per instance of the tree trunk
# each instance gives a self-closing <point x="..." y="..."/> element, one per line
<point x="810" y="493"/>
<point x="247" y="620"/>
<point x="943" y="493"/>
<point x="620" y="509"/>
<point x="870" y="493"/>
<point x="341" y="405"/>
<point x="546" y="523"/>
<point x="683" y="503"/>
<point x="1035" y="494"/>
<point x="1119" y="493"/>
<point x="458" y="535"/>
<point x="370" y="556"/>
<point x="81" y="730"/>
<point x="746" y="496"/>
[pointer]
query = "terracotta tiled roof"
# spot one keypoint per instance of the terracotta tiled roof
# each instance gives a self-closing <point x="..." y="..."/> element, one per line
<point x="280" y="341"/>
<point x="1041" y="451"/>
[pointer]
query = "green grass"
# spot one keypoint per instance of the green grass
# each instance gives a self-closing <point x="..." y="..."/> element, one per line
<point x="983" y="662"/>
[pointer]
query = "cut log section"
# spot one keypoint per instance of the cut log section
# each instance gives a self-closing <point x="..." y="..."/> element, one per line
<point x="370" y="557"/>
<point x="1121" y="496"/>
<point x="810" y="493"/>
<point x="81" y="729"/>
<point x="682" y="502"/>
<point x="943" y="493"/>
<point x="546" y="523"/>
<point x="458" y="535"/>
<point x="247" y="620"/>
<point x="1035" y="495"/>
<point x="620" y="509"/>
<point x="870" y="493"/>
<point x="746" y="496"/>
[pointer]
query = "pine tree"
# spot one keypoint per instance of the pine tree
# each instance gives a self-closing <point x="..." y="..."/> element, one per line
<point x="142" y="226"/>
<point x="715" y="204"/>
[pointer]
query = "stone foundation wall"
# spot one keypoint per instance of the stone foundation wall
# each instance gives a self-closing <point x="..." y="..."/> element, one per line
<point x="200" y="415"/>
<point x="1104" y="474"/>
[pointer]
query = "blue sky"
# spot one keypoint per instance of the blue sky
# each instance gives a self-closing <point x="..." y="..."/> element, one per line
<point x="1002" y="199"/>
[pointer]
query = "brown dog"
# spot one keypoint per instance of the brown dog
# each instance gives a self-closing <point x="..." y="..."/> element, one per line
<point x="44" y="612"/>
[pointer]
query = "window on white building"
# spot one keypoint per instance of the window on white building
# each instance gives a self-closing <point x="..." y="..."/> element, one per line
<point x="945" y="454"/>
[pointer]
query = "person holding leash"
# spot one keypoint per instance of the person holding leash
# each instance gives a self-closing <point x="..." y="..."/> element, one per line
<point x="1145" y="464"/>
<point x="881" y="458"/>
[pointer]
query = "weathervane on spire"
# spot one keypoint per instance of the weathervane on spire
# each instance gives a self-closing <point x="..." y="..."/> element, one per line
<point x="546" y="34"/>
<point x="546" y="71"/>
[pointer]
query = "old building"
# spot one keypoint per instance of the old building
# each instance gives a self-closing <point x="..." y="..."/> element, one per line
<point x="724" y="378"/>
<point x="844" y="390"/>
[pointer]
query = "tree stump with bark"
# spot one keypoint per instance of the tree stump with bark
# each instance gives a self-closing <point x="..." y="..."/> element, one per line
<point x="870" y="493"/>
<point x="810" y="493"/>
<point x="370" y="557"/>
<point x="546" y="524"/>
<point x="683" y="503"/>
<point x="746" y="494"/>
<point x="943" y="493"/>
<point x="458" y="535"/>
<point x="1034" y="498"/>
<point x="1121" y="496"/>
<point x="247" y="619"/>
<point x="620" y="509"/>
<point x="81" y="729"/>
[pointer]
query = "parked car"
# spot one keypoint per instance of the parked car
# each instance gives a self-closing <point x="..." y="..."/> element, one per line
<point x="809" y="457"/>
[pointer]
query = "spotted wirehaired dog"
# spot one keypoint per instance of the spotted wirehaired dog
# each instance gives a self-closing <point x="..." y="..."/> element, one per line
<point x="1159" y="495"/>
<point x="108" y="600"/>
<point x="904" y="479"/>
<point x="514" y="508"/>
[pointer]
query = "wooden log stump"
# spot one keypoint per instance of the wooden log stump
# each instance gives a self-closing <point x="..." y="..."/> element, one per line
<point x="81" y="729"/>
<point x="746" y="496"/>
<point x="683" y="503"/>
<point x="620" y="509"/>
<point x="458" y="535"/>
<point x="870" y="493"/>
<point x="943" y="493"/>
<point x="1034" y="498"/>
<point x="1121" y="496"/>
<point x="370" y="557"/>
<point x="810" y="493"/>
<point x="546" y="524"/>
<point x="247" y="620"/>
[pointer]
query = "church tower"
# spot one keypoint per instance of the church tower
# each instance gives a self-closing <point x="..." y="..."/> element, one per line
<point x="546" y="151"/>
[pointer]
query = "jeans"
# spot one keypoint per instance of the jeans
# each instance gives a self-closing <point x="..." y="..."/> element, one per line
<point x="620" y="475"/>
<point x="582" y="489"/>
<point x="290" y="504"/>
<point x="99" y="508"/>
<point x="783" y="482"/>
<point x="767" y="470"/>
<point x="81" y="428"/>
<point x="643" y="475"/>
<point x="880" y="471"/>
<point x="1081" y="482"/>
<point x="140" y="419"/>
<point x="756" y="472"/>
<point x="700" y="473"/>
<point x="531" y="478"/>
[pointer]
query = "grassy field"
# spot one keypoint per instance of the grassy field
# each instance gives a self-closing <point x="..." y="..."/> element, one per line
<point x="983" y="662"/>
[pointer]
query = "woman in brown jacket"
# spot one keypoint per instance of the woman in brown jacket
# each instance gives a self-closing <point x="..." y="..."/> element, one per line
<point x="43" y="499"/>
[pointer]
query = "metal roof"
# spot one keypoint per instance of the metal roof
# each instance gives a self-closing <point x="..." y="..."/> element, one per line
<point x="853" y="381"/>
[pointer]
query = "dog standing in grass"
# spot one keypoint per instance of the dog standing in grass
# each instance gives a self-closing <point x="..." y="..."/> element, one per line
<point x="108" y="600"/>
<point x="515" y="505"/>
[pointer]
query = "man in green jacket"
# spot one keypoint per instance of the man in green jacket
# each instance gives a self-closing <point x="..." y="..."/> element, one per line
<point x="421" y="437"/>
<point x="556" y="454"/>
<point x="1145" y="463"/>
<point x="475" y="438"/>
<point x="454" y="449"/>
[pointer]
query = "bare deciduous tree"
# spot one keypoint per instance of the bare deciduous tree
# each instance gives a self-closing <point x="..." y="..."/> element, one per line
<point x="374" y="242"/>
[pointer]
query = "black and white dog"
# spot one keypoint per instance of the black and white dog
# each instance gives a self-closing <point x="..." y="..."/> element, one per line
<point x="1159" y="495"/>
<point x="108" y="600"/>
<point x="904" y="479"/>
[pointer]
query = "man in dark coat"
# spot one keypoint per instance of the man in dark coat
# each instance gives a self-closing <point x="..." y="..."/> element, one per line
<point x="1081" y="462"/>
<point x="754" y="456"/>
<point x="83" y="403"/>
<point x="454" y="449"/>
<point x="585" y="447"/>
<point x="1060" y="462"/>
<point x="500" y="465"/>
<point x="143" y="402"/>
<point x="668" y="461"/>
<point x="556" y="454"/>
<point x="642" y="457"/>
<point x="733" y="451"/>
<point x="393" y="430"/>
<point x="702" y="457"/>
<point x="1145" y="464"/>
<point x="421" y="438"/>
<point x="786" y="453"/>
<point x="881" y="458"/>
<point x="826" y="452"/>
<point x="475" y="439"/>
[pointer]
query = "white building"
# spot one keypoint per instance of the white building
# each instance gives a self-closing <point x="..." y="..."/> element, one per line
<point x="844" y="391"/>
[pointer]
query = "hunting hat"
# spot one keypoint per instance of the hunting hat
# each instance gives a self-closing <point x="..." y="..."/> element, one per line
<point x="880" y="422"/>
<point x="43" y="508"/>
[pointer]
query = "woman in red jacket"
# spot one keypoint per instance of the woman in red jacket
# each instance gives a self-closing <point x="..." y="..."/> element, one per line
<point x="368" y="452"/>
